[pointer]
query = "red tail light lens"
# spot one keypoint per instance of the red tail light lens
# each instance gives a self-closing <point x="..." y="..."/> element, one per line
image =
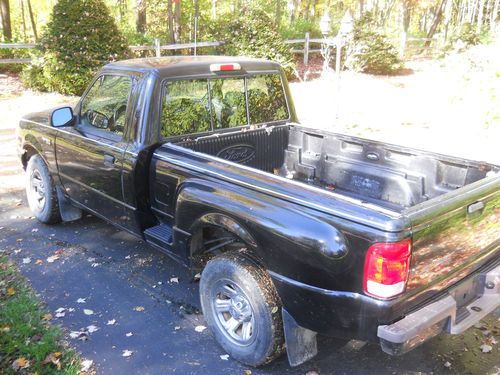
<point x="386" y="268"/>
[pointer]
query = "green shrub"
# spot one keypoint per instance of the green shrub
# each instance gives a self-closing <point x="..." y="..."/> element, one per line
<point x="80" y="38"/>
<point x="299" y="27"/>
<point x="464" y="37"/>
<point x="369" y="51"/>
<point x="251" y="34"/>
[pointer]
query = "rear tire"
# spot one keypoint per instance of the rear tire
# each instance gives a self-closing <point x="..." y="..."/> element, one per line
<point x="242" y="308"/>
<point x="41" y="191"/>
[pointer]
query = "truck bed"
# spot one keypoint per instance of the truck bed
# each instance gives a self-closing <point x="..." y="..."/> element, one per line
<point x="386" y="175"/>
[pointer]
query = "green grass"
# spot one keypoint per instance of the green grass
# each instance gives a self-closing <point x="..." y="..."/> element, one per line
<point x="24" y="334"/>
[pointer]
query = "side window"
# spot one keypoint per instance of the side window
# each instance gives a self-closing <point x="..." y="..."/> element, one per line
<point x="105" y="104"/>
<point x="185" y="108"/>
<point x="228" y="102"/>
<point x="266" y="99"/>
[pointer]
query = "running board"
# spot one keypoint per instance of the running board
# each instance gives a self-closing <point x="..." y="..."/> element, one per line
<point x="161" y="236"/>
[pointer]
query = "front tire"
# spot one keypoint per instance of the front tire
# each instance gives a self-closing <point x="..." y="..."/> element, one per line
<point x="41" y="191"/>
<point x="242" y="308"/>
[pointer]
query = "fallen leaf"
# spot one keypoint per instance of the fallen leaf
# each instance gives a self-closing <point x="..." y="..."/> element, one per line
<point x="60" y="309"/>
<point x="39" y="262"/>
<point x="88" y="311"/>
<point x="312" y="372"/>
<point x="91" y="260"/>
<point x="197" y="276"/>
<point x="60" y="314"/>
<point x="47" y="317"/>
<point x="274" y="310"/>
<point x="176" y="328"/>
<point x="52" y="258"/>
<point x="53" y="358"/>
<point x="92" y="328"/>
<point x="20" y="363"/>
<point x="11" y="291"/>
<point x="248" y="372"/>
<point x="139" y="308"/>
<point x="59" y="251"/>
<point x="80" y="300"/>
<point x="200" y="328"/>
<point x="447" y="364"/>
<point x="486" y="348"/>
<point x="127" y="353"/>
<point x="174" y="280"/>
<point x="71" y="309"/>
<point x="111" y="322"/>
<point x="224" y="357"/>
<point x="26" y="260"/>
<point x="34" y="230"/>
<point x="5" y="329"/>
<point x="86" y="365"/>
<point x="129" y="334"/>
<point x="75" y="334"/>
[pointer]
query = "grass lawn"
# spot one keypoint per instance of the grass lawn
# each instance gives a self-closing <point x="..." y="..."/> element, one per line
<point x="28" y="342"/>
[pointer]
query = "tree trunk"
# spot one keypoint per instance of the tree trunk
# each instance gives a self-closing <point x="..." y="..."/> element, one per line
<point x="6" y="24"/>
<point x="480" y="16"/>
<point x="293" y="11"/>
<point x="277" y="13"/>
<point x="306" y="12"/>
<point x="170" y="22"/>
<point x="494" y="14"/>
<point x="32" y="19"/>
<point x="214" y="9"/>
<point x="435" y="24"/>
<point x="177" y="18"/>
<point x="313" y="12"/>
<point x="21" y="5"/>
<point x="361" y="7"/>
<point x="140" y="24"/>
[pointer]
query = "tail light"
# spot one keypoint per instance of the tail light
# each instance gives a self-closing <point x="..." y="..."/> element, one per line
<point x="386" y="268"/>
<point x="224" y="67"/>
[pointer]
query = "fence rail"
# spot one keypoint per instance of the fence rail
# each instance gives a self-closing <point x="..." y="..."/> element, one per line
<point x="306" y="50"/>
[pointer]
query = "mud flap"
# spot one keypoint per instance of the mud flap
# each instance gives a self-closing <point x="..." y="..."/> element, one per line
<point x="66" y="209"/>
<point x="301" y="343"/>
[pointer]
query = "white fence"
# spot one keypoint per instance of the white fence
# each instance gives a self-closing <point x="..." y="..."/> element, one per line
<point x="157" y="47"/>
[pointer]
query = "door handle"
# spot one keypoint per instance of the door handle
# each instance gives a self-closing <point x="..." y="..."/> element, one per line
<point x="109" y="160"/>
<point x="474" y="207"/>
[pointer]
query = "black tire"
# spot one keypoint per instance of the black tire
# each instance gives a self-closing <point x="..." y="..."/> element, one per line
<point x="249" y="284"/>
<point x="41" y="191"/>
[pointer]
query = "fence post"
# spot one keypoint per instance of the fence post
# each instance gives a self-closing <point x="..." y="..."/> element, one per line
<point x="157" y="47"/>
<point x="306" y="49"/>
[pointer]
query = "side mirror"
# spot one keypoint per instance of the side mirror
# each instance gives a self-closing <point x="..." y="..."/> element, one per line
<point x="61" y="117"/>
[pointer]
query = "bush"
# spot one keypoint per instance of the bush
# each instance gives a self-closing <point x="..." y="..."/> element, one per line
<point x="80" y="38"/>
<point x="369" y="51"/>
<point x="251" y="34"/>
<point x="466" y="36"/>
<point x="299" y="27"/>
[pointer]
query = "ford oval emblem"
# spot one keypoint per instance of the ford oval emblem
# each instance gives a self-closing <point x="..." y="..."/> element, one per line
<point x="241" y="153"/>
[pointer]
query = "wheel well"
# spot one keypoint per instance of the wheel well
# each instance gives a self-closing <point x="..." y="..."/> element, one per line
<point x="209" y="241"/>
<point x="27" y="154"/>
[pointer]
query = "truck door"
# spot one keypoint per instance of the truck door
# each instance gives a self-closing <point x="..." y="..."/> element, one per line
<point x="90" y="154"/>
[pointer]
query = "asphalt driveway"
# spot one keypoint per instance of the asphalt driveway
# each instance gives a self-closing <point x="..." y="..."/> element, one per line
<point x="120" y="295"/>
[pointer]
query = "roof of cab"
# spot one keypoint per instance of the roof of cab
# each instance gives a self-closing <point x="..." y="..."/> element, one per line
<point x="190" y="65"/>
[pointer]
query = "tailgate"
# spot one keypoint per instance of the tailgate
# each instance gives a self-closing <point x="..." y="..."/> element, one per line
<point x="453" y="236"/>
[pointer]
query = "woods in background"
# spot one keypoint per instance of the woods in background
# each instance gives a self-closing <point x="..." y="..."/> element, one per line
<point x="173" y="20"/>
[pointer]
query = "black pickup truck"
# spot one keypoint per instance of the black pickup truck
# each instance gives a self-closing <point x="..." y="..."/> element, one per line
<point x="296" y="231"/>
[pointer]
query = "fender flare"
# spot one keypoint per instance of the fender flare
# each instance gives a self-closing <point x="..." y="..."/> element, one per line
<point x="227" y="223"/>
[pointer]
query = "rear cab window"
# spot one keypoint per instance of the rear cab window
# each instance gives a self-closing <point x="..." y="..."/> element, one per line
<point x="202" y="105"/>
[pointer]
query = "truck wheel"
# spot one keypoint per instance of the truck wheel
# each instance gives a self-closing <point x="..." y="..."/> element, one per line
<point x="242" y="308"/>
<point x="41" y="191"/>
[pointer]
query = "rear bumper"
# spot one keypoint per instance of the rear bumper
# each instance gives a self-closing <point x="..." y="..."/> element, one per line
<point x="448" y="314"/>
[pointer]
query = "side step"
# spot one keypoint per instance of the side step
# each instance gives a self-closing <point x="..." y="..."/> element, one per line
<point x="160" y="235"/>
